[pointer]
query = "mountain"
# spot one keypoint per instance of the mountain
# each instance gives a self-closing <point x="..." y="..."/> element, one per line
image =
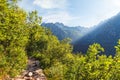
<point x="62" y="31"/>
<point x="106" y="33"/>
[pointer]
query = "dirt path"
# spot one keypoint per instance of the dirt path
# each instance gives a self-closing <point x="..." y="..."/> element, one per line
<point x="33" y="72"/>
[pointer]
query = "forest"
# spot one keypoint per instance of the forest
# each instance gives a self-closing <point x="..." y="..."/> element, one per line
<point x="22" y="37"/>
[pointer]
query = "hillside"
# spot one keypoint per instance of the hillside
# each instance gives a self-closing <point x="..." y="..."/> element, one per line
<point x="62" y="31"/>
<point x="106" y="34"/>
<point x="29" y="51"/>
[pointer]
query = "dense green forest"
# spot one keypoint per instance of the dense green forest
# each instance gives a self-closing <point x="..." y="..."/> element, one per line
<point x="21" y="37"/>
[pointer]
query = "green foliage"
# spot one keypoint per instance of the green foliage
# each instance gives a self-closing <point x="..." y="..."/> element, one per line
<point x="13" y="39"/>
<point x="94" y="50"/>
<point x="116" y="63"/>
<point x="118" y="50"/>
<point x="56" y="71"/>
<point x="33" y="18"/>
<point x="21" y="36"/>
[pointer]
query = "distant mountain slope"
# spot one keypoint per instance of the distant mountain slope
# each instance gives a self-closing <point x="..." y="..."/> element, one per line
<point x="106" y="33"/>
<point x="62" y="31"/>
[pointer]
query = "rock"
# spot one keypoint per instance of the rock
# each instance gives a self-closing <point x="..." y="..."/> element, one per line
<point x="28" y="78"/>
<point x="33" y="64"/>
<point x="30" y="74"/>
<point x="33" y="72"/>
<point x="18" y="79"/>
<point x="39" y="71"/>
<point x="37" y="78"/>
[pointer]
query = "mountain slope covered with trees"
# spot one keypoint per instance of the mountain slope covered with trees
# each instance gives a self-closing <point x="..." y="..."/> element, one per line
<point x="22" y="37"/>
<point x="106" y="33"/>
<point x="62" y="31"/>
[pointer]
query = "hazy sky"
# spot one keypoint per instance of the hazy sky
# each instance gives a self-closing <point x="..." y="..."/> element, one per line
<point x="73" y="12"/>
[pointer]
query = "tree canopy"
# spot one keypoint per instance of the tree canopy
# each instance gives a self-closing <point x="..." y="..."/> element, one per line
<point x="21" y="37"/>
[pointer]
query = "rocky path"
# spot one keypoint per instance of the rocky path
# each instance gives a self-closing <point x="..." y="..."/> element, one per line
<point x="33" y="72"/>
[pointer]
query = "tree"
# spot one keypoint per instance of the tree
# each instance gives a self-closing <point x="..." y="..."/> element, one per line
<point x="13" y="39"/>
<point x="116" y="63"/>
<point x="93" y="51"/>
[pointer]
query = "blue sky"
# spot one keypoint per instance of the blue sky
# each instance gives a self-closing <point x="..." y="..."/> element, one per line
<point x="85" y="13"/>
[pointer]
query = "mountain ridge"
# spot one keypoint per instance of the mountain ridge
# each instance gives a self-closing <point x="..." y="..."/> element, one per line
<point x="62" y="31"/>
<point x="106" y="34"/>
